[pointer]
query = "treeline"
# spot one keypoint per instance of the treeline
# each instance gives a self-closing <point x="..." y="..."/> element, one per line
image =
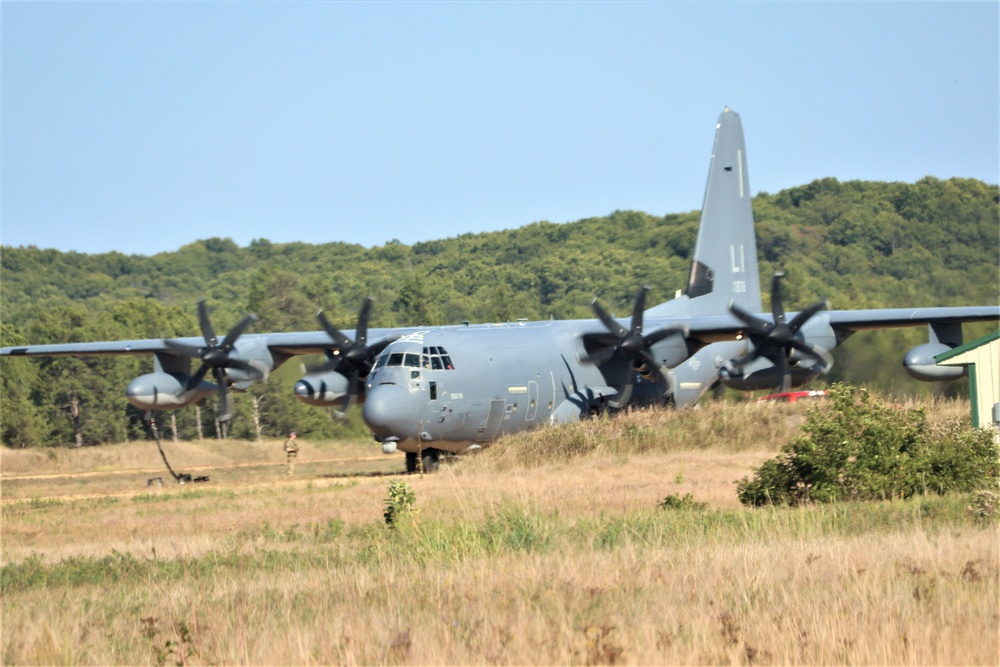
<point x="860" y="244"/>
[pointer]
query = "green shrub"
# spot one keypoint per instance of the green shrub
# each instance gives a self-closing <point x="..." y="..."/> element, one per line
<point x="400" y="503"/>
<point x="685" y="502"/>
<point x="857" y="448"/>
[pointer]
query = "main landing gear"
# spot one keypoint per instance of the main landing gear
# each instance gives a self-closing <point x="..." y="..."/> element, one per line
<point x="431" y="459"/>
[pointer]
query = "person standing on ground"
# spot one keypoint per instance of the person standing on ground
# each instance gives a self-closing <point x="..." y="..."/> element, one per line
<point x="291" y="452"/>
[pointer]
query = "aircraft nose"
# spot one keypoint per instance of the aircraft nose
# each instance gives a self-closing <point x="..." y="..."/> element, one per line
<point x="391" y="410"/>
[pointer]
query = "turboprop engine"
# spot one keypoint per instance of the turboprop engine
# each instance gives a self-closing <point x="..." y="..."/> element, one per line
<point x="779" y="344"/>
<point x="173" y="386"/>
<point x="166" y="391"/>
<point x="347" y="364"/>
<point x="324" y="389"/>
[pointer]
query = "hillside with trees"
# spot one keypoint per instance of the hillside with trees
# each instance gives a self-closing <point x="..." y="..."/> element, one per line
<point x="860" y="244"/>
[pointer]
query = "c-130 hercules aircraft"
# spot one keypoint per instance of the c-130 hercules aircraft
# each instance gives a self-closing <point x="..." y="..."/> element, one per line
<point x="441" y="389"/>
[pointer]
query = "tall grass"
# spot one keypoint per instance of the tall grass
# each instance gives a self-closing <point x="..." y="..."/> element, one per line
<point x="571" y="558"/>
<point x="896" y="582"/>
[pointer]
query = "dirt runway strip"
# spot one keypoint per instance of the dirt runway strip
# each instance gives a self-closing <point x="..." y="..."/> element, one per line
<point x="98" y="473"/>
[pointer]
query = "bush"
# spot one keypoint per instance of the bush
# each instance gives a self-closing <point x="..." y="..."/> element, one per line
<point x="401" y="502"/>
<point x="857" y="448"/>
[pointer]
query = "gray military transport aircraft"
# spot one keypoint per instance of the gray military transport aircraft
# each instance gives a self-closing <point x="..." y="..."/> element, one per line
<point x="429" y="390"/>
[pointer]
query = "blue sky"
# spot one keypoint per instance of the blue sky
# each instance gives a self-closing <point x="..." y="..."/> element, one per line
<point x="141" y="127"/>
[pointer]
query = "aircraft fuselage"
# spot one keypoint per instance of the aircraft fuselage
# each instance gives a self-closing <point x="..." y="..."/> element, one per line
<point x="449" y="387"/>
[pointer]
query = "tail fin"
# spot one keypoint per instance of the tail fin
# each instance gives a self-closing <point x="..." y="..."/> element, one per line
<point x="725" y="255"/>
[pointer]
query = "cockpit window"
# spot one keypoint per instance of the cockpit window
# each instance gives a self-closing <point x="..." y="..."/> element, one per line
<point x="433" y="358"/>
<point x="437" y="359"/>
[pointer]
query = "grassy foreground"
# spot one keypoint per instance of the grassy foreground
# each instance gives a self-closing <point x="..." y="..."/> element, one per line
<point x="551" y="548"/>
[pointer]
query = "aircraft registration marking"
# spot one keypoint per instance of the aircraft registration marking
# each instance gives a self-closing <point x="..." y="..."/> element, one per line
<point x="455" y="397"/>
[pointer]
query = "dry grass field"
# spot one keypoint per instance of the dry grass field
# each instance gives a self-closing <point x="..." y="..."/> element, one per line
<point x="554" y="547"/>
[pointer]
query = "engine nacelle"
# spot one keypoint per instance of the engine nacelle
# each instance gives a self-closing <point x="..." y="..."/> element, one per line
<point x="164" y="391"/>
<point x="919" y="363"/>
<point x="767" y="377"/>
<point x="324" y="389"/>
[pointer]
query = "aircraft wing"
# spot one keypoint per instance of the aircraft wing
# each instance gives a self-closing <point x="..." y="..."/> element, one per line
<point x="114" y="347"/>
<point x="889" y="318"/>
<point x="707" y="329"/>
<point x="290" y="343"/>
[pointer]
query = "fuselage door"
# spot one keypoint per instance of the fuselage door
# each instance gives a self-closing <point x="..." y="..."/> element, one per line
<point x="532" y="401"/>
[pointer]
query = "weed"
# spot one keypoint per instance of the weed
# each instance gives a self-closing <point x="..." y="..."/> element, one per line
<point x="516" y="530"/>
<point x="685" y="502"/>
<point x="400" y="503"/>
<point x="985" y="506"/>
<point x="44" y="503"/>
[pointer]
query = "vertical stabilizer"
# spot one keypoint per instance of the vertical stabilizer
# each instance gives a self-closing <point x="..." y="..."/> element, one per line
<point x="725" y="255"/>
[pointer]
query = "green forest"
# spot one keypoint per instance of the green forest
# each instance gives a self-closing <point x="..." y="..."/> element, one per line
<point x="859" y="244"/>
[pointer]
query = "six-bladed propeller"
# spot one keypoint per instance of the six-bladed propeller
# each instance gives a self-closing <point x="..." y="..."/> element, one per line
<point x="633" y="345"/>
<point x="776" y="341"/>
<point x="353" y="358"/>
<point x="216" y="356"/>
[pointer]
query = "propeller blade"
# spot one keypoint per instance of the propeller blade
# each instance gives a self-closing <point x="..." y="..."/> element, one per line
<point x="754" y="322"/>
<point x="785" y="373"/>
<point x="376" y="348"/>
<point x="225" y="400"/>
<point x="625" y="395"/>
<point x="654" y="368"/>
<point x="599" y="358"/>
<point x="236" y="332"/>
<point x="609" y="322"/>
<point x="251" y="366"/>
<point x="352" y="391"/>
<point x="818" y="353"/>
<point x="206" y="325"/>
<point x="801" y="318"/>
<point x="658" y="335"/>
<point x="777" y="307"/>
<point x="361" y="331"/>
<point x="196" y="379"/>
<point x="638" y="309"/>
<point x="333" y="332"/>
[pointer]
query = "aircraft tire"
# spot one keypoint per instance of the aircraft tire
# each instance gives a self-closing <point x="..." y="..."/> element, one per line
<point x="431" y="461"/>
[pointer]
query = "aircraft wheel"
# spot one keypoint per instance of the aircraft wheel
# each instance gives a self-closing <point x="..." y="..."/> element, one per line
<point x="431" y="461"/>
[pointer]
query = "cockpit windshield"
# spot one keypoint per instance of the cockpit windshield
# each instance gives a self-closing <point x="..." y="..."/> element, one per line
<point x="431" y="358"/>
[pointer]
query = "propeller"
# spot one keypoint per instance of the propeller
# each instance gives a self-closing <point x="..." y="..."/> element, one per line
<point x="216" y="357"/>
<point x="633" y="345"/>
<point x="775" y="341"/>
<point x="355" y="357"/>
